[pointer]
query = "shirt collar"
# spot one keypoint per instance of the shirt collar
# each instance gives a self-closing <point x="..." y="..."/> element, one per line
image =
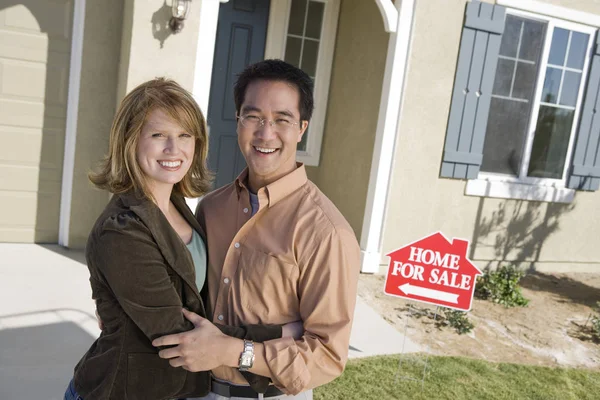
<point x="279" y="189"/>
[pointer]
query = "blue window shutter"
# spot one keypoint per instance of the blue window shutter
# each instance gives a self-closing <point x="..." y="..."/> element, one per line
<point x="475" y="73"/>
<point x="585" y="169"/>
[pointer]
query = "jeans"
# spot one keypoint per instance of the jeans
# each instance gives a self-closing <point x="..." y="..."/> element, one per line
<point x="71" y="394"/>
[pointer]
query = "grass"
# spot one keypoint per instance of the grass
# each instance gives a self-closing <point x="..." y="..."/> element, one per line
<point x="457" y="379"/>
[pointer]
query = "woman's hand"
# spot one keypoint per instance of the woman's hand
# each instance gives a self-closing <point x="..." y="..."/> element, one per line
<point x="293" y="329"/>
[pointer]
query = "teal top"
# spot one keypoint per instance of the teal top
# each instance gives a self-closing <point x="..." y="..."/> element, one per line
<point x="198" y="250"/>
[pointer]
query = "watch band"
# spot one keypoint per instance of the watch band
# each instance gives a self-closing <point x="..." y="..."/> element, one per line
<point x="247" y="356"/>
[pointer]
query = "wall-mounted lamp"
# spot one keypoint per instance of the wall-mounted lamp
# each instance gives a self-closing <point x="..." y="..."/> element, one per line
<point x="180" y="10"/>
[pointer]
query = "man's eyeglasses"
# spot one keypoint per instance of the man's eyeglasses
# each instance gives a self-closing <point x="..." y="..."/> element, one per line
<point x="280" y="124"/>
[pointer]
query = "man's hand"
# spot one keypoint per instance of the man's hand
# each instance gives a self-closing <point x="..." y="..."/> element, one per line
<point x="203" y="348"/>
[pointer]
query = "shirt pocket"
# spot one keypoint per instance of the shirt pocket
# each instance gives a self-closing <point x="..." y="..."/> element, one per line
<point x="269" y="287"/>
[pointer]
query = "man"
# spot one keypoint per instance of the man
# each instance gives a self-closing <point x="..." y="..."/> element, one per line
<point x="279" y="251"/>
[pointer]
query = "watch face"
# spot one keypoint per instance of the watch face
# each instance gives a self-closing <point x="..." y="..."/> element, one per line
<point x="246" y="359"/>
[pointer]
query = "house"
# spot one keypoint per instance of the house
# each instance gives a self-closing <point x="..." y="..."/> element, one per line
<point x="475" y="119"/>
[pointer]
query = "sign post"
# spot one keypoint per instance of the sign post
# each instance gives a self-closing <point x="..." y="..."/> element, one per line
<point x="432" y="270"/>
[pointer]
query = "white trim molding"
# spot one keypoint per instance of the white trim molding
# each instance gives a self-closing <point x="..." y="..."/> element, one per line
<point x="390" y="15"/>
<point x="205" y="51"/>
<point x="205" y="54"/>
<point x="276" y="29"/>
<point x="279" y="13"/>
<point x="385" y="137"/>
<point x="519" y="191"/>
<point x="540" y="7"/>
<point x="71" y="123"/>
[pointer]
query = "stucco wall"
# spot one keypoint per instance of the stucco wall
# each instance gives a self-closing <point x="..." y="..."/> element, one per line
<point x="355" y="93"/>
<point x="149" y="48"/>
<point x="136" y="46"/>
<point x="99" y="74"/>
<point x="554" y="236"/>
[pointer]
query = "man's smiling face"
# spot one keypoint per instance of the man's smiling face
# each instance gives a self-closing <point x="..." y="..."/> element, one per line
<point x="270" y="151"/>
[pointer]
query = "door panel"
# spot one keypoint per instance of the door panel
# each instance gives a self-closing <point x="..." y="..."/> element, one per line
<point x="241" y="36"/>
<point x="35" y="43"/>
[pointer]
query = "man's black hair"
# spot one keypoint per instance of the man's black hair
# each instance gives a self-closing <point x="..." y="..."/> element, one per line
<point x="276" y="70"/>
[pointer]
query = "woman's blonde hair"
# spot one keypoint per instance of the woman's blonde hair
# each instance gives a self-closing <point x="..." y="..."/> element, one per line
<point x="119" y="171"/>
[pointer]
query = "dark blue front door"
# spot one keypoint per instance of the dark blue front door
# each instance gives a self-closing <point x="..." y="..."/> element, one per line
<point x="241" y="36"/>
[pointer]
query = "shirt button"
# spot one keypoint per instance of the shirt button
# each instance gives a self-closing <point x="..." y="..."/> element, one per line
<point x="245" y="211"/>
<point x="226" y="280"/>
<point x="236" y="245"/>
<point x="220" y="317"/>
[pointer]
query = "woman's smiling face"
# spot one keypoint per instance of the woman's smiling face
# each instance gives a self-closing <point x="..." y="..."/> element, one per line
<point x="165" y="150"/>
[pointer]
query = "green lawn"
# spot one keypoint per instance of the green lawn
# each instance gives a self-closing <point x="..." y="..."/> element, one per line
<point x="457" y="379"/>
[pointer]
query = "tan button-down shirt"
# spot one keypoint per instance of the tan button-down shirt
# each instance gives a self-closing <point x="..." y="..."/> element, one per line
<point x="296" y="259"/>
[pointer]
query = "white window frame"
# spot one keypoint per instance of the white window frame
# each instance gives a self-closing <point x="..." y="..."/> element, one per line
<point x="523" y="187"/>
<point x="275" y="48"/>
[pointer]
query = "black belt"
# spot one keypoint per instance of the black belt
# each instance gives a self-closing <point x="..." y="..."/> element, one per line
<point x="226" y="390"/>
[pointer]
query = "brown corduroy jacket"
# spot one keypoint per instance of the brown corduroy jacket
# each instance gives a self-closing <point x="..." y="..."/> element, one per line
<point x="141" y="275"/>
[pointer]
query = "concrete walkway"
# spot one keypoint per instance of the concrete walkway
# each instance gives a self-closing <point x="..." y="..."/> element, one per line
<point x="47" y="321"/>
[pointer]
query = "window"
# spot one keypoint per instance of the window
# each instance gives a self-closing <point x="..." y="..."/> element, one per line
<point x="536" y="98"/>
<point x="302" y="41"/>
<point x="523" y="121"/>
<point x="302" y="32"/>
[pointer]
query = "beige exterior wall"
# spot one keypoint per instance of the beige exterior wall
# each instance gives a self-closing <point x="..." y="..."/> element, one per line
<point x="99" y="77"/>
<point x="554" y="236"/>
<point x="138" y="47"/>
<point x="354" y="97"/>
<point x="149" y="48"/>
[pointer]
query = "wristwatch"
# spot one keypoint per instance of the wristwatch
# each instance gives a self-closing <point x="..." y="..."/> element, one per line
<point x="247" y="356"/>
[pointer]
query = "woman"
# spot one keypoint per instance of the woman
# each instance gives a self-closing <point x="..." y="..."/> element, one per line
<point x="146" y="253"/>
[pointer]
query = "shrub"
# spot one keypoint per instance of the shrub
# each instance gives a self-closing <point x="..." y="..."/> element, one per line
<point x="501" y="286"/>
<point x="458" y="320"/>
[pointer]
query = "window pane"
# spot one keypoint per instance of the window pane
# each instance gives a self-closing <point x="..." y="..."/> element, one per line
<point x="297" y="14"/>
<point x="292" y="51"/>
<point x="558" y="48"/>
<point x="309" y="57"/>
<point x="510" y="37"/>
<point x="505" y="136"/>
<point x="550" y="143"/>
<point x="503" y="80"/>
<point x="509" y="115"/>
<point x="570" y="88"/>
<point x="314" y="20"/>
<point x="524" y="80"/>
<point x="551" y="85"/>
<point x="532" y="40"/>
<point x="577" y="50"/>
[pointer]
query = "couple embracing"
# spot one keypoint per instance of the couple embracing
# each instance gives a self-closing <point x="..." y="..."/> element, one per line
<point x="251" y="297"/>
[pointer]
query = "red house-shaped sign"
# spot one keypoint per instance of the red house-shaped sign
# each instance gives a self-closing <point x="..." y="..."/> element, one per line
<point x="433" y="270"/>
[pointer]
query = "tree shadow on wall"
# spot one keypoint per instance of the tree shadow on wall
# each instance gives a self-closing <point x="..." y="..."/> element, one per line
<point x="516" y="232"/>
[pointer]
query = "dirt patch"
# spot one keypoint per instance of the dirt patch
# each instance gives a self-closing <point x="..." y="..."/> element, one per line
<point x="550" y="330"/>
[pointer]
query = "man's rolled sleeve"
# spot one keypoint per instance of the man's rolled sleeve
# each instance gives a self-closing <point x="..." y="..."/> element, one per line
<point x="327" y="292"/>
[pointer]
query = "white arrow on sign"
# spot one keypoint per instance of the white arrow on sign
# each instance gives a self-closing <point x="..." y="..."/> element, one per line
<point x="407" y="288"/>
